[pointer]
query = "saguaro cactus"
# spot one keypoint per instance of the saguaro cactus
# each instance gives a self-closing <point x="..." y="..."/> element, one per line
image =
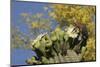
<point x="55" y="48"/>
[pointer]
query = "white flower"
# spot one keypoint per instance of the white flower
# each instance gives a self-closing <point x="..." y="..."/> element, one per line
<point x="72" y="31"/>
<point x="38" y="38"/>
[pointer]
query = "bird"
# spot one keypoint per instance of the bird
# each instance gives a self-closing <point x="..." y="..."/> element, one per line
<point x="83" y="35"/>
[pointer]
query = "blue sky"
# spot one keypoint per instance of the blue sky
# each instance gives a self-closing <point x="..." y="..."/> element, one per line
<point x="25" y="7"/>
<point x="31" y="8"/>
